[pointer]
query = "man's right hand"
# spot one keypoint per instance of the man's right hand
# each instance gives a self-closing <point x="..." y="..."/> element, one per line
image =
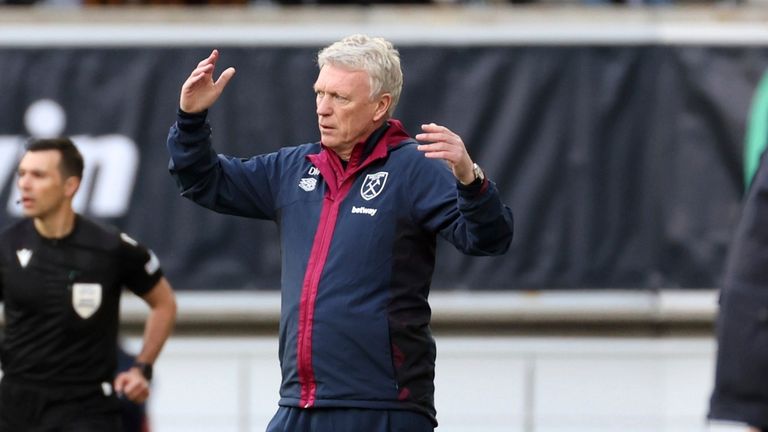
<point x="199" y="91"/>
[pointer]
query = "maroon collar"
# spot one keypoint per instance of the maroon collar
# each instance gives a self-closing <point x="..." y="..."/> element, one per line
<point x="375" y="147"/>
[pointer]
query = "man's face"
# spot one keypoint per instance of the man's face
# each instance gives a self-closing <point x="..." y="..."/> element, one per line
<point x="43" y="190"/>
<point x="346" y="114"/>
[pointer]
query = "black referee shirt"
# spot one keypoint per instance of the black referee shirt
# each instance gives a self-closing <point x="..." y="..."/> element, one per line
<point x="61" y="299"/>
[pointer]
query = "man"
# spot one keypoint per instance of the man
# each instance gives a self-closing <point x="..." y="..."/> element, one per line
<point x="61" y="277"/>
<point x="358" y="214"/>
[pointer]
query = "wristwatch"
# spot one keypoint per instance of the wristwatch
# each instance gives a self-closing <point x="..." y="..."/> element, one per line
<point x="144" y="368"/>
<point x="479" y="174"/>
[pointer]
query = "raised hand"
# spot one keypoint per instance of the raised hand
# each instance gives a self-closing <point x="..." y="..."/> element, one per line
<point x="200" y="91"/>
<point x="446" y="145"/>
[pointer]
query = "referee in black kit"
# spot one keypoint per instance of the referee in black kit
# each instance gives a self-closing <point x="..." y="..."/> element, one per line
<point x="61" y="277"/>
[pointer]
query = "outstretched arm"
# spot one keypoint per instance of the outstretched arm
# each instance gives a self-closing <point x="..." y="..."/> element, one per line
<point x="200" y="91"/>
<point x="160" y="321"/>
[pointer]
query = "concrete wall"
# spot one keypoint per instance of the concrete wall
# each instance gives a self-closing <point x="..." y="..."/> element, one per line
<point x="484" y="384"/>
<point x="555" y="361"/>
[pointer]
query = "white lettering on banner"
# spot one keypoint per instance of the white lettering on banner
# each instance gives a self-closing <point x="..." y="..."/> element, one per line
<point x="364" y="210"/>
<point x="111" y="163"/>
<point x="10" y="151"/>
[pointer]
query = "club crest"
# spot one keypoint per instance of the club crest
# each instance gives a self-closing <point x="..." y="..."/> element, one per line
<point x="86" y="298"/>
<point x="373" y="185"/>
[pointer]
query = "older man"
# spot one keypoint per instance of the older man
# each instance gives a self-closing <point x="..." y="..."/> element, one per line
<point x="358" y="213"/>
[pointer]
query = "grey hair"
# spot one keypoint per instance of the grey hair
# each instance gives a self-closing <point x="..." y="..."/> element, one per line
<point x="374" y="55"/>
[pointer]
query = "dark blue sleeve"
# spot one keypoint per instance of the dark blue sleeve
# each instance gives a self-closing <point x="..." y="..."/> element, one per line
<point x="485" y="225"/>
<point x="243" y="187"/>
<point x="472" y="218"/>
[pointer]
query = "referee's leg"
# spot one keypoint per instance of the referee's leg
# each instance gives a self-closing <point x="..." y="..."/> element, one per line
<point x="96" y="423"/>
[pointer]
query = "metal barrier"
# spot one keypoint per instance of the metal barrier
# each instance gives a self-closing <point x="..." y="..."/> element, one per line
<point x="582" y="312"/>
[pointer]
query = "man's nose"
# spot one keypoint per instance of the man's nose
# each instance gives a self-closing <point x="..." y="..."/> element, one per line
<point x="323" y="106"/>
<point x="23" y="182"/>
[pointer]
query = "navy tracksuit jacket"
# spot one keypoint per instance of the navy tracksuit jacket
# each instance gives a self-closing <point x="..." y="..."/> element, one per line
<point x="358" y="252"/>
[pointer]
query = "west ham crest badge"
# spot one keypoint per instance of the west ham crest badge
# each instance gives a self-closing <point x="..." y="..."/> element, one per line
<point x="373" y="185"/>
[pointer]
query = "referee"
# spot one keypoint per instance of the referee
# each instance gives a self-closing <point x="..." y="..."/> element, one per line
<point x="61" y="277"/>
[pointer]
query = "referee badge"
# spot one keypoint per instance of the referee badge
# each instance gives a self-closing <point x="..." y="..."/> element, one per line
<point x="86" y="298"/>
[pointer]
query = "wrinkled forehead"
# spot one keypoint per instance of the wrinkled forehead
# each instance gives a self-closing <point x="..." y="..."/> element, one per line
<point x="331" y="75"/>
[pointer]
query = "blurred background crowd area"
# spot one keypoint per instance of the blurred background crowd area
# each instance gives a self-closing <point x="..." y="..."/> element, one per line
<point x="77" y="3"/>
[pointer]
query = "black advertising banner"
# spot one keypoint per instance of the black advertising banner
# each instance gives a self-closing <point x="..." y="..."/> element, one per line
<point x="622" y="163"/>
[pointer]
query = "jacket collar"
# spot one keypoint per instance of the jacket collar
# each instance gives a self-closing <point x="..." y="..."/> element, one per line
<point x="377" y="146"/>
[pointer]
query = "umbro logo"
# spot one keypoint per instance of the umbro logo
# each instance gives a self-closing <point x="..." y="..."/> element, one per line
<point x="308" y="183"/>
<point x="24" y="256"/>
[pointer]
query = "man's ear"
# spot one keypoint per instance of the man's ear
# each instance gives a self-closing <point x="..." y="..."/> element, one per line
<point x="71" y="185"/>
<point x="382" y="107"/>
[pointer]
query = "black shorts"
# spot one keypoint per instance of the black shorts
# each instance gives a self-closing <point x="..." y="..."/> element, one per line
<point x="293" y="419"/>
<point x="40" y="408"/>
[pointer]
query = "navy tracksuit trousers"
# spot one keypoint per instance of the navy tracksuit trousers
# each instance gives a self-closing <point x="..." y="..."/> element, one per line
<point x="292" y="419"/>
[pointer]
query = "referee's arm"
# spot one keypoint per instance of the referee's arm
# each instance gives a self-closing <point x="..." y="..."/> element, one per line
<point x="158" y="327"/>
<point x="162" y="316"/>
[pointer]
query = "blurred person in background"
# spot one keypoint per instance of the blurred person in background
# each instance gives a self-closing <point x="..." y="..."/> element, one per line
<point x="358" y="212"/>
<point x="740" y="393"/>
<point x="354" y="2"/>
<point x="741" y="374"/>
<point x="61" y="278"/>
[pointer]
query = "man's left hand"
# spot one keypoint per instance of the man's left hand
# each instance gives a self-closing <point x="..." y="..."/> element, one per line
<point x="445" y="144"/>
